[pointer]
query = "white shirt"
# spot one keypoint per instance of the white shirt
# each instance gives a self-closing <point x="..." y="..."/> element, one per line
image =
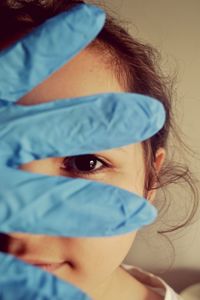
<point x="153" y="282"/>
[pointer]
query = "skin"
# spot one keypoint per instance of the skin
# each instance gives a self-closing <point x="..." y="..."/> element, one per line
<point x="96" y="261"/>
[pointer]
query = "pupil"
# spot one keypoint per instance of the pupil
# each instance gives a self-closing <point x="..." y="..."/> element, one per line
<point x="85" y="162"/>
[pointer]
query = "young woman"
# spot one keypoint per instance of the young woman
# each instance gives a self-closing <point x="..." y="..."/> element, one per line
<point x="113" y="62"/>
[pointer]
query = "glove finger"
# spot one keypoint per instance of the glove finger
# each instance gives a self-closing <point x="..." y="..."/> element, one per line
<point x="20" y="281"/>
<point x="77" y="126"/>
<point x="51" y="205"/>
<point x="36" y="56"/>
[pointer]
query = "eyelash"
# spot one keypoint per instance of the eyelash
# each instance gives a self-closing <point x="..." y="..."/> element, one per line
<point x="67" y="165"/>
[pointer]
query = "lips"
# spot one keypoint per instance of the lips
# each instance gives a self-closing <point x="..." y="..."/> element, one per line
<point x="50" y="267"/>
<point x="47" y="266"/>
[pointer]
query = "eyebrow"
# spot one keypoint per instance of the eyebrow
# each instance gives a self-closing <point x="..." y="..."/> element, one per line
<point x="113" y="149"/>
<point x="119" y="149"/>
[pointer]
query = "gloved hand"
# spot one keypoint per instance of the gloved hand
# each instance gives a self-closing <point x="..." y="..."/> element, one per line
<point x="29" y="202"/>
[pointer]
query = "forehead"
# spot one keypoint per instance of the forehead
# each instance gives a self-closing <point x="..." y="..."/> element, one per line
<point x="87" y="73"/>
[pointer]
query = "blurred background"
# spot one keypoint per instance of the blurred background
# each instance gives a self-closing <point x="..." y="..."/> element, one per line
<point x="173" y="27"/>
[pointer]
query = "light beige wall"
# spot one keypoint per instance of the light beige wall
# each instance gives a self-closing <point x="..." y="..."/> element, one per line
<point x="173" y="26"/>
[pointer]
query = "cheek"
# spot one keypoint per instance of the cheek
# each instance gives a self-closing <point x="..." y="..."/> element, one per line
<point x="132" y="177"/>
<point x="102" y="254"/>
<point x="138" y="170"/>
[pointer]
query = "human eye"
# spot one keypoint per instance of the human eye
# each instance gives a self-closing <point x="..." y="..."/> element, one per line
<point x="83" y="165"/>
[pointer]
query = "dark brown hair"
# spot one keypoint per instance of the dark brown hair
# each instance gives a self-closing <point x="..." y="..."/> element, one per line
<point x="135" y="65"/>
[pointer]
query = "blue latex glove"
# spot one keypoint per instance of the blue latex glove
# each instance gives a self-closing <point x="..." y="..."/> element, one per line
<point x="29" y="202"/>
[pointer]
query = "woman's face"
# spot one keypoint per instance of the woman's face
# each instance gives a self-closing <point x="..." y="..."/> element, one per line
<point x="92" y="260"/>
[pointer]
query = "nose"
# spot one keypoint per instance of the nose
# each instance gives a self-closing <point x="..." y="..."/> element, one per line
<point x="10" y="245"/>
<point x="4" y="242"/>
